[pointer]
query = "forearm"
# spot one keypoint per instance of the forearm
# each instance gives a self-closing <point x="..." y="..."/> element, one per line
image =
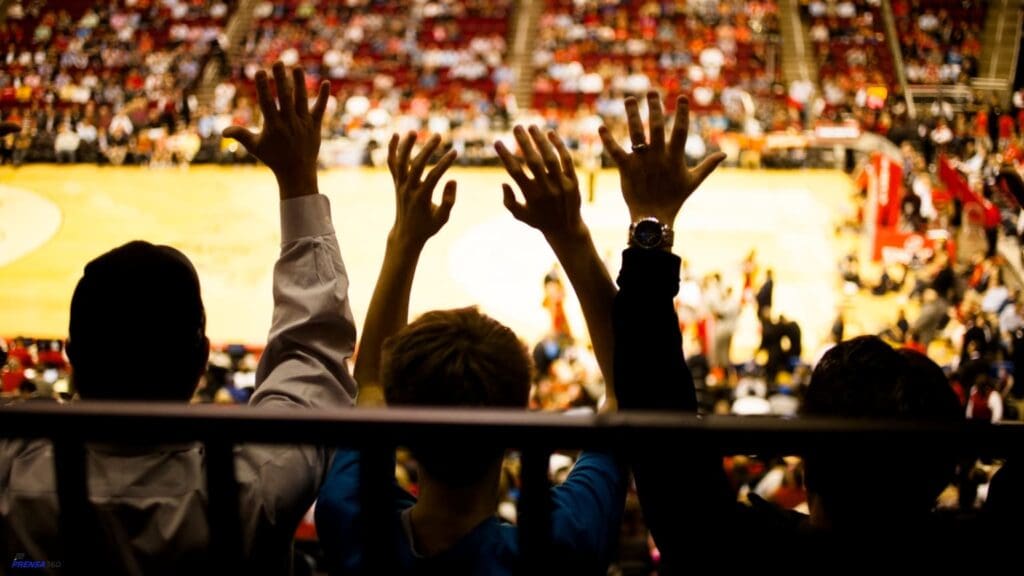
<point x="652" y="375"/>
<point x="596" y="293"/>
<point x="313" y="333"/>
<point x="388" y="313"/>
<point x="301" y="183"/>
<point x="648" y="345"/>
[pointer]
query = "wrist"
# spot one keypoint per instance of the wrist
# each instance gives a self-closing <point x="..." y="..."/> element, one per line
<point x="403" y="245"/>
<point x="294" y="186"/>
<point x="565" y="240"/>
<point x="667" y="217"/>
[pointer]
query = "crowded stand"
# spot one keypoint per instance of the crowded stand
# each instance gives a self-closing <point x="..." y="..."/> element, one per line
<point x="391" y="65"/>
<point x="364" y="81"/>
<point x="940" y="39"/>
<point x="723" y="55"/>
<point x="444" y="67"/>
<point x="110" y="82"/>
<point x="855" y="67"/>
<point x="434" y="48"/>
<point x="704" y="50"/>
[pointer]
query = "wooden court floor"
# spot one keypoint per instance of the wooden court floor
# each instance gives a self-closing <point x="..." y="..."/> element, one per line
<point x="54" y="219"/>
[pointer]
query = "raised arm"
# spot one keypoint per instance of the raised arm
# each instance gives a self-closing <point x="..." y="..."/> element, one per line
<point x="339" y="511"/>
<point x="312" y="334"/>
<point x="552" y="206"/>
<point x="655" y="183"/>
<point x="681" y="509"/>
<point x="416" y="220"/>
<point x="587" y="507"/>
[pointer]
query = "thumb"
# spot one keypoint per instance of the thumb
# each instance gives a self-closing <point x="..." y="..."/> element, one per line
<point x="518" y="210"/>
<point x="244" y="137"/>
<point x="444" y="211"/>
<point x="705" y="168"/>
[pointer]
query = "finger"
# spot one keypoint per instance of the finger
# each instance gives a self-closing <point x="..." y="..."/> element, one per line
<point x="680" y="128"/>
<point x="636" y="124"/>
<point x="243" y="136"/>
<point x="547" y="151"/>
<point x="509" y="199"/>
<point x="9" y="128"/>
<point x="301" y="97"/>
<point x="533" y="159"/>
<point x="285" y="93"/>
<point x="512" y="165"/>
<point x="419" y="163"/>
<point x="705" y="168"/>
<point x="404" y="149"/>
<point x="435" y="174"/>
<point x="656" y="113"/>
<point x="393" y="153"/>
<point x="267" y="105"/>
<point x="444" y="211"/>
<point x="568" y="166"/>
<point x="617" y="153"/>
<point x="321" y="102"/>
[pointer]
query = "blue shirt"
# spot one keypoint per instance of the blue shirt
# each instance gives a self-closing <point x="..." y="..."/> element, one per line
<point x="585" y="518"/>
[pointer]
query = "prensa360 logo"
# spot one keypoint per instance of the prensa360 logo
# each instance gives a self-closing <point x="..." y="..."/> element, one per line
<point x="20" y="562"/>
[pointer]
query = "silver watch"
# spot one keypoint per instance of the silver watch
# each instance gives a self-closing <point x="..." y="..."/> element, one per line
<point x="650" y="234"/>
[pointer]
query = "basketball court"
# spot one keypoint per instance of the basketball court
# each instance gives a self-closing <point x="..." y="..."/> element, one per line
<point x="54" y="219"/>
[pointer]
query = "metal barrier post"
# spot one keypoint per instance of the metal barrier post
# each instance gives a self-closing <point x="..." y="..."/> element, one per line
<point x="78" y="528"/>
<point x="225" y="520"/>
<point x="535" y="510"/>
<point x="376" y="485"/>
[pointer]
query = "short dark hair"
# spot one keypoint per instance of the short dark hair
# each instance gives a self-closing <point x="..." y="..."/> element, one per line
<point x="866" y="378"/>
<point x="456" y="358"/>
<point x="138" y="326"/>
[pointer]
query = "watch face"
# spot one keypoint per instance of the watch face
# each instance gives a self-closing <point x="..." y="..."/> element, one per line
<point x="648" y="234"/>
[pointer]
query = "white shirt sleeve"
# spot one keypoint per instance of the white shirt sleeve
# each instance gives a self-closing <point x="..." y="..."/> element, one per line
<point x="304" y="366"/>
<point x="312" y="334"/>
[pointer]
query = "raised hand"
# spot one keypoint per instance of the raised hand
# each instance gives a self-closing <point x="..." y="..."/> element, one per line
<point x="552" y="205"/>
<point x="552" y="196"/>
<point x="416" y="217"/>
<point x="655" y="179"/>
<point x="290" y="141"/>
<point x="416" y="220"/>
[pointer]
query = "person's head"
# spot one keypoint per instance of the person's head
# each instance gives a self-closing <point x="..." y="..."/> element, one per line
<point x="27" y="388"/>
<point x="865" y="378"/>
<point x="975" y="374"/>
<point x="456" y="358"/>
<point x="138" y="326"/>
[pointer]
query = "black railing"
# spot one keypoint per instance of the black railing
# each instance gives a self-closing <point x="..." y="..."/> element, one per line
<point x="375" y="432"/>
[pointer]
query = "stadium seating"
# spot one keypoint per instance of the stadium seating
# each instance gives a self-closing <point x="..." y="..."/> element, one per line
<point x="587" y="48"/>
